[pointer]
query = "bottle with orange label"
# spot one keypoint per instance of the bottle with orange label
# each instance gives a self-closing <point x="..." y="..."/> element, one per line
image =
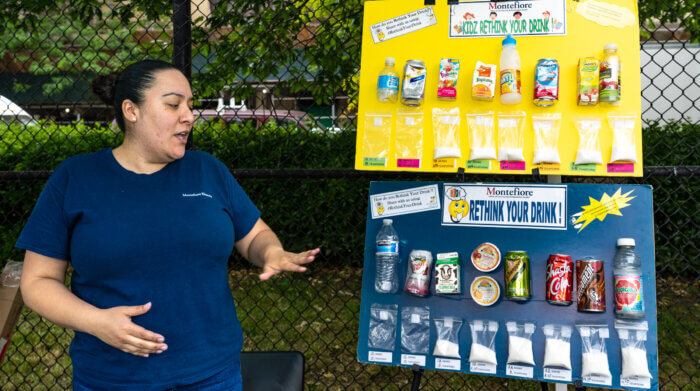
<point x="510" y="73"/>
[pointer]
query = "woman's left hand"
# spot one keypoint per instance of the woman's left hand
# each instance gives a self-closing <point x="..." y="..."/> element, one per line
<point x="278" y="260"/>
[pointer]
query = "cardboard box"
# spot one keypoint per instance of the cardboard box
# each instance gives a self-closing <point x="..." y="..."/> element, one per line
<point x="10" y="306"/>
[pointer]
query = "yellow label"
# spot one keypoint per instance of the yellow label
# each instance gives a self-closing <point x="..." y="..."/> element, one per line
<point x="510" y="81"/>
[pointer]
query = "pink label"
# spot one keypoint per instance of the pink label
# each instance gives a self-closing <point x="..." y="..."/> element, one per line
<point x="447" y="92"/>
<point x="620" y="167"/>
<point x="411" y="163"/>
<point x="513" y="166"/>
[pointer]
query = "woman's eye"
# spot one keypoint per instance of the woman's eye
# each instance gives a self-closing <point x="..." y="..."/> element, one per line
<point x="173" y="106"/>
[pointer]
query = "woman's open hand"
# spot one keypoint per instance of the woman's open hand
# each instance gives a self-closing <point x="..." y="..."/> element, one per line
<point x="115" y="328"/>
<point x="278" y="260"/>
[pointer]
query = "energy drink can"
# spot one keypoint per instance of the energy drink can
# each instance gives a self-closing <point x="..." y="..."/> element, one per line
<point x="546" y="82"/>
<point x="560" y="279"/>
<point x="517" y="269"/>
<point x="590" y="285"/>
<point x="413" y="89"/>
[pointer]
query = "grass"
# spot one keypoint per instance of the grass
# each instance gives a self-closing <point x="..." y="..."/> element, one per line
<point x="318" y="314"/>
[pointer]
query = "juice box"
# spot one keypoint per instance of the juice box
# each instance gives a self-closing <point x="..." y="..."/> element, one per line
<point x="484" y="81"/>
<point x="447" y="84"/>
<point x="588" y="81"/>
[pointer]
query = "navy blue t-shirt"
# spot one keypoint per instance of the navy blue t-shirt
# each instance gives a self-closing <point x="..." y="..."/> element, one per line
<point x="133" y="238"/>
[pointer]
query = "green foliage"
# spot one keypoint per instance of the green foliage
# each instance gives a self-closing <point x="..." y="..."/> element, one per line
<point x="684" y="11"/>
<point x="73" y="37"/>
<point x="270" y="46"/>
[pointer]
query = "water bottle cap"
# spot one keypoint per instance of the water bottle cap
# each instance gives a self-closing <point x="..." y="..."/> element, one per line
<point x="610" y="46"/>
<point x="508" y="41"/>
<point x="389" y="61"/>
<point x="387" y="221"/>
<point x="625" y="242"/>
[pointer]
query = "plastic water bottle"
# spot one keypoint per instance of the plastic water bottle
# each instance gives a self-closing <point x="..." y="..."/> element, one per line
<point x="629" y="296"/>
<point x="388" y="82"/>
<point x="387" y="279"/>
<point x="510" y="73"/>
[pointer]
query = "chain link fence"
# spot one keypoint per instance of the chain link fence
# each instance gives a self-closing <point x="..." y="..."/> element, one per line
<point x="276" y="92"/>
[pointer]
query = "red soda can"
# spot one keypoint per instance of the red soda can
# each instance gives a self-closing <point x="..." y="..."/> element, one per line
<point x="590" y="285"/>
<point x="560" y="279"/>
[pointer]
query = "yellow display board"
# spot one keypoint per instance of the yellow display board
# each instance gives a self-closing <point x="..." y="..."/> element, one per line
<point x="395" y="137"/>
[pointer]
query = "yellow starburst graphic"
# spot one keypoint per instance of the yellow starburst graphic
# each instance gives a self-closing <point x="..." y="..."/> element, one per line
<point x="599" y="209"/>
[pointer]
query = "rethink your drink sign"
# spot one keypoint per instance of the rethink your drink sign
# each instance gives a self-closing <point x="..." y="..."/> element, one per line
<point x="505" y="206"/>
<point x="477" y="19"/>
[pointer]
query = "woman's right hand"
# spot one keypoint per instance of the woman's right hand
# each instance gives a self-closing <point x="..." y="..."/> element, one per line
<point x="114" y="327"/>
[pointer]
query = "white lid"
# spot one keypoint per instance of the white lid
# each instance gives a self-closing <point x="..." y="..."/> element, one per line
<point x="610" y="46"/>
<point x="625" y="242"/>
<point x="389" y="61"/>
<point x="387" y="221"/>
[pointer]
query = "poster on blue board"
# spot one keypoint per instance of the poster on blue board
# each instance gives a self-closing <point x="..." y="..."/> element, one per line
<point x="582" y="221"/>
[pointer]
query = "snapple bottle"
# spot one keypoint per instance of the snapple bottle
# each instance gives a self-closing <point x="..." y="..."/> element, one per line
<point x="629" y="296"/>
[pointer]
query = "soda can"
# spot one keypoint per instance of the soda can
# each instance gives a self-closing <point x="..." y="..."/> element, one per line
<point x="560" y="279"/>
<point x="420" y="263"/>
<point x="546" y="82"/>
<point x="517" y="269"/>
<point x="590" y="285"/>
<point x="413" y="89"/>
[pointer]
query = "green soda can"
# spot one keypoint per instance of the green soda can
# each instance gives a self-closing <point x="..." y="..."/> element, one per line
<point x="517" y="275"/>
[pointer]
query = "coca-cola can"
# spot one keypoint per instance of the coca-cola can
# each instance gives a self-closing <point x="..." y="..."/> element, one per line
<point x="560" y="279"/>
<point x="590" y="285"/>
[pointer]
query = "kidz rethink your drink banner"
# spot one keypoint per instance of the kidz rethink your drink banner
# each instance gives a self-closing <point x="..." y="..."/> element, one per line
<point x="451" y="54"/>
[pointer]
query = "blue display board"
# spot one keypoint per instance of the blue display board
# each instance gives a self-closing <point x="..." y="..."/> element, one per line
<point x="579" y="220"/>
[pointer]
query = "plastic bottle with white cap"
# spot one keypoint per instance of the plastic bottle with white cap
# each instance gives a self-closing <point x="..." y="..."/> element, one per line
<point x="510" y="73"/>
<point x="628" y="289"/>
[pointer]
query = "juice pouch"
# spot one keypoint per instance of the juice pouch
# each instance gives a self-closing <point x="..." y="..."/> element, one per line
<point x="546" y="128"/>
<point x="375" y="144"/>
<point x="481" y="136"/>
<point x="588" y="145"/>
<point x="587" y="81"/>
<point x="484" y="81"/>
<point x="623" y="146"/>
<point x="510" y="136"/>
<point x="447" y="84"/>
<point x="409" y="138"/>
<point x="446" y="133"/>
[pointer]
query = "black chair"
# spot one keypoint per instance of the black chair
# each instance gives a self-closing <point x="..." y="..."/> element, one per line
<point x="272" y="371"/>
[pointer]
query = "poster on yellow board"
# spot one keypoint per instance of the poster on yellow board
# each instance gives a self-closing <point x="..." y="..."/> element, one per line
<point x="441" y="89"/>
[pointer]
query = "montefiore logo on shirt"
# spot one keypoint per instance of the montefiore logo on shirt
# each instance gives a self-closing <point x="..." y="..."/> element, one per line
<point x="202" y="194"/>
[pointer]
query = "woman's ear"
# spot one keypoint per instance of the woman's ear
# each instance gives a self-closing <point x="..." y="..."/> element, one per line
<point x="130" y="110"/>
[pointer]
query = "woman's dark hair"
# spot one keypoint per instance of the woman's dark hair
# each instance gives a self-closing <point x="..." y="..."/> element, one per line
<point x="131" y="83"/>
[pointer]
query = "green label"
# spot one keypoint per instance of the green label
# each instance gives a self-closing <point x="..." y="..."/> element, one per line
<point x="478" y="164"/>
<point x="374" y="161"/>
<point x="584" y="167"/>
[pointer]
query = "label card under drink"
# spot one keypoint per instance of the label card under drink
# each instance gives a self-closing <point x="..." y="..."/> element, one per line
<point x="448" y="162"/>
<point x="597" y="379"/>
<point x="512" y="166"/>
<point x="375" y="356"/>
<point x="482" y="367"/>
<point x="557" y="374"/>
<point x="519" y="371"/>
<point x="592" y="167"/>
<point x="410" y="359"/>
<point x="478" y="164"/>
<point x="408" y="163"/>
<point x="620" y="167"/>
<point x="374" y="162"/>
<point x="637" y="382"/>
<point x="446" y="363"/>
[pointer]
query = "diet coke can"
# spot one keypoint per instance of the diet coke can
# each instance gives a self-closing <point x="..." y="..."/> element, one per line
<point x="560" y="279"/>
